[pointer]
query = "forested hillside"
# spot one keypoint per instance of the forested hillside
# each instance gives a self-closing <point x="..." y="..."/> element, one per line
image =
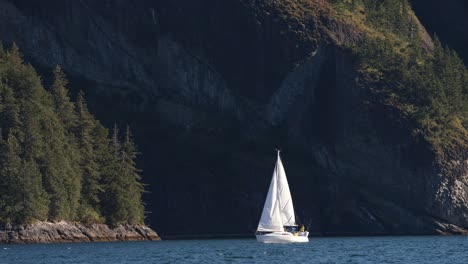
<point x="57" y="162"/>
<point x="425" y="80"/>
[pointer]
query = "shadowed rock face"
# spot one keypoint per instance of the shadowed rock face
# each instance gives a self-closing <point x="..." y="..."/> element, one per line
<point x="211" y="87"/>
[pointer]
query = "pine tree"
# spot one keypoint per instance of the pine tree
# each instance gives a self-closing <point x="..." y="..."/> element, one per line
<point x="114" y="197"/>
<point x="115" y="142"/>
<point x="11" y="200"/>
<point x="10" y="111"/>
<point x="89" y="144"/>
<point x="57" y="161"/>
<point x="454" y="74"/>
<point x="62" y="173"/>
<point x="64" y="108"/>
<point x="122" y="202"/>
<point x="22" y="197"/>
<point x="35" y="199"/>
<point x="132" y="176"/>
<point x="14" y="56"/>
<point x="65" y="141"/>
<point x="44" y="138"/>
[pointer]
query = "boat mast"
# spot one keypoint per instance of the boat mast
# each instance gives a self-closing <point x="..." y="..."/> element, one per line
<point x="278" y="201"/>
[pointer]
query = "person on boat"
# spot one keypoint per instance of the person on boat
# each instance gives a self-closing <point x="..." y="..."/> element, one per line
<point x="302" y="228"/>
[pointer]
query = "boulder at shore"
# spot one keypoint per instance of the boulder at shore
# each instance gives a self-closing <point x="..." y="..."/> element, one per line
<point x="61" y="232"/>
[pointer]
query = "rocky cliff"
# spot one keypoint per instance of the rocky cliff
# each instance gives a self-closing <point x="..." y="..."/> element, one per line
<point x="62" y="232"/>
<point x="211" y="87"/>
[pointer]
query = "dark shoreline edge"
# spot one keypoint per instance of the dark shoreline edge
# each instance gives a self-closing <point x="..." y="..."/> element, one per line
<point x="67" y="232"/>
<point x="311" y="235"/>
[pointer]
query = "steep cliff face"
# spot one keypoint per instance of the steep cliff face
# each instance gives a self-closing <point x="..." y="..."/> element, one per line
<point x="211" y="87"/>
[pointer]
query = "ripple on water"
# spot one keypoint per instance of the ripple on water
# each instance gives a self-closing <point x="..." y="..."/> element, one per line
<point x="320" y="250"/>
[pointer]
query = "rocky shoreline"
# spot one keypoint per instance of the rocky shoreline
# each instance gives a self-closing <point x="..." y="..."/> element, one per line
<point x="65" y="232"/>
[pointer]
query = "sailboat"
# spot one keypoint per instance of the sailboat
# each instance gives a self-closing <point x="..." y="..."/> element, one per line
<point x="278" y="223"/>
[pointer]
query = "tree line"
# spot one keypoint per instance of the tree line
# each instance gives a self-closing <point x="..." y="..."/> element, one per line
<point x="57" y="161"/>
<point x="429" y="85"/>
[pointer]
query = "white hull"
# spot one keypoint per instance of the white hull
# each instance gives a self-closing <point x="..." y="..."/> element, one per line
<point x="283" y="237"/>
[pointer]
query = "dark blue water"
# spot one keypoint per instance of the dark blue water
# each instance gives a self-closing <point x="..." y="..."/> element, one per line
<point x="435" y="249"/>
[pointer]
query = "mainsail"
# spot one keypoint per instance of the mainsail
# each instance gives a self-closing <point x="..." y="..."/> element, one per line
<point x="278" y="210"/>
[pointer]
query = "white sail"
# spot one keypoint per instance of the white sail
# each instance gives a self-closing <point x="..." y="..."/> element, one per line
<point x="278" y="210"/>
<point x="284" y="196"/>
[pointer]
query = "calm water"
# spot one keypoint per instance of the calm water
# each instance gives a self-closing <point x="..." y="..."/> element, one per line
<point x="320" y="250"/>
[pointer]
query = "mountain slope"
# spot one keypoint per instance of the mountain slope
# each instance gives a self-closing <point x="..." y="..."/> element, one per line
<point x="211" y="87"/>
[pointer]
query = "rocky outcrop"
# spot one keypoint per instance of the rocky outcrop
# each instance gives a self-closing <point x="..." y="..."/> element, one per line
<point x="211" y="87"/>
<point x="61" y="232"/>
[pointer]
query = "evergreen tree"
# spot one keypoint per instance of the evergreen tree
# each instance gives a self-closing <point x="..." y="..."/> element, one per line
<point x="64" y="108"/>
<point x="114" y="197"/>
<point x="22" y="197"/>
<point x="132" y="176"/>
<point x="64" y="156"/>
<point x="122" y="198"/>
<point x="9" y="118"/>
<point x="35" y="199"/>
<point x="89" y="144"/>
<point x="14" y="55"/>
<point x="57" y="161"/>
<point x="62" y="173"/>
<point x="43" y="138"/>
<point x="11" y="200"/>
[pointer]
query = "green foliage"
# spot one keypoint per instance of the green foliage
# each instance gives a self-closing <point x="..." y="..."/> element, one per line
<point x="430" y="87"/>
<point x="11" y="202"/>
<point x="10" y="110"/>
<point x="64" y="108"/>
<point x="122" y="196"/>
<point x="56" y="160"/>
<point x="132" y="177"/>
<point x="22" y="196"/>
<point x="92" y="138"/>
<point x="36" y="200"/>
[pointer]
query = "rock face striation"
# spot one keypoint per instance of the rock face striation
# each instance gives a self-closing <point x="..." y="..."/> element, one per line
<point x="61" y="232"/>
<point x="212" y="87"/>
